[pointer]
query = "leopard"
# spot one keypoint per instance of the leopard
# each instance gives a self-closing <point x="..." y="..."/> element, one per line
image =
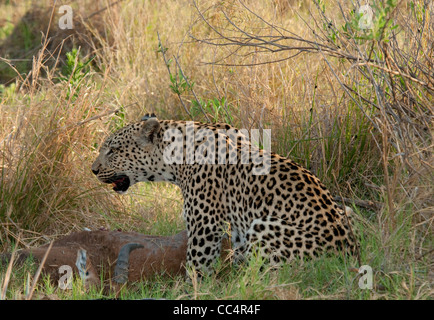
<point x="283" y="212"/>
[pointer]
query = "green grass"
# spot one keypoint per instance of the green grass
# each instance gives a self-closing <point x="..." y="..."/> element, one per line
<point x="20" y="280"/>
<point x="328" y="277"/>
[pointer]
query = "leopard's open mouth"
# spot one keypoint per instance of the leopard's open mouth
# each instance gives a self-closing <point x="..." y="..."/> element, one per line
<point x="120" y="183"/>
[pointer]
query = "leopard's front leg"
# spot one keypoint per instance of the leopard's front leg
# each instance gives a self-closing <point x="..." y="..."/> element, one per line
<point x="204" y="239"/>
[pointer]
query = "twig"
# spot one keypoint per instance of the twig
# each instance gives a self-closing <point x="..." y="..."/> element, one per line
<point x="101" y="115"/>
<point x="9" y="271"/>
<point x="396" y="73"/>
<point x="96" y="117"/>
<point x="424" y="254"/>
<point x="101" y="10"/>
<point x="170" y="73"/>
<point x="192" y="91"/>
<point x="372" y="205"/>
<point x="38" y="272"/>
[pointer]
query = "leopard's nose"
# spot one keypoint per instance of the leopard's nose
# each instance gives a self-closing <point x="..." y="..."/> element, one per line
<point x="95" y="167"/>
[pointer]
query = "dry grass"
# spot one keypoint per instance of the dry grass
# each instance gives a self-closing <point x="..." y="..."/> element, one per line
<point x="323" y="110"/>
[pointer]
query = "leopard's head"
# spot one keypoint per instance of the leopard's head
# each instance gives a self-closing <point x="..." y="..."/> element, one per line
<point x="132" y="154"/>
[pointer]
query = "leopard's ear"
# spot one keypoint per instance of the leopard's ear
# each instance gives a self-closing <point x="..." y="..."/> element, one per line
<point x="147" y="116"/>
<point x="148" y="129"/>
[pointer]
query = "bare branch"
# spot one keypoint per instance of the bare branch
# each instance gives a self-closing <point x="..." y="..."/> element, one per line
<point x="170" y="73"/>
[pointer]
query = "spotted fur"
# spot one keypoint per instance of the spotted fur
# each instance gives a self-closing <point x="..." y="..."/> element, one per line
<point x="285" y="213"/>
